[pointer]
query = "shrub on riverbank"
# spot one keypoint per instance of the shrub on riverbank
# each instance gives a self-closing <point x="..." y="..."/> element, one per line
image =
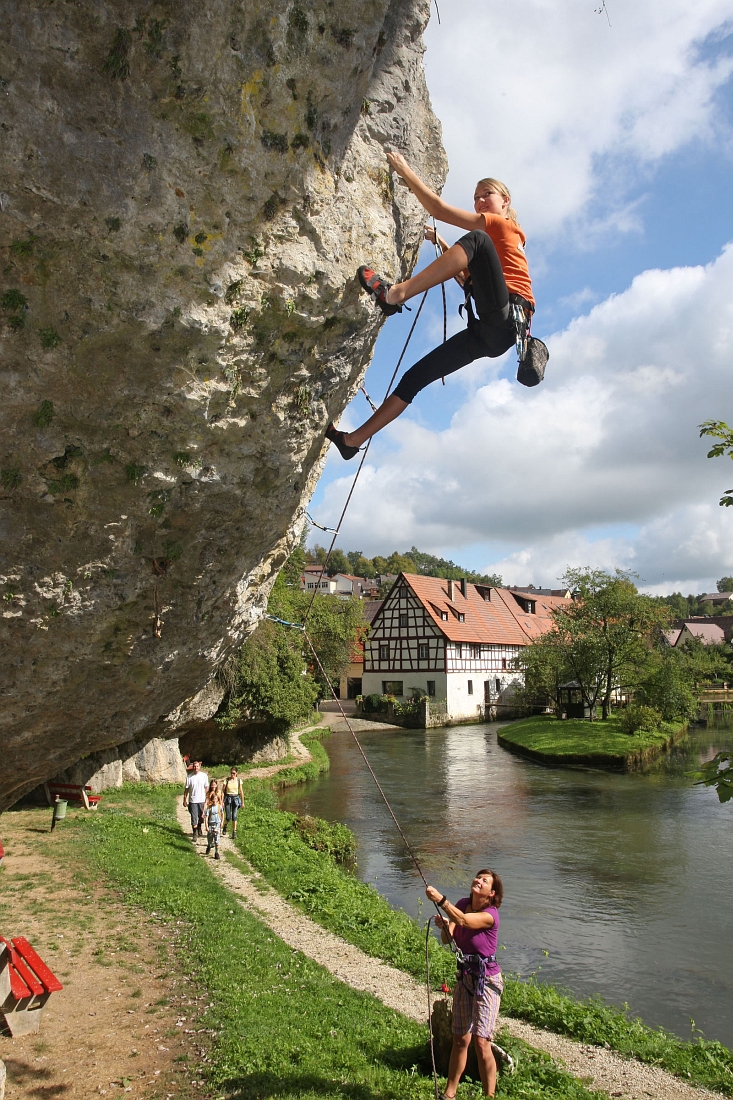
<point x="360" y="915"/>
<point x="575" y="740"/>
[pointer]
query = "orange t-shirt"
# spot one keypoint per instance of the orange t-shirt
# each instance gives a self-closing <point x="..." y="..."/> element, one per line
<point x="509" y="241"/>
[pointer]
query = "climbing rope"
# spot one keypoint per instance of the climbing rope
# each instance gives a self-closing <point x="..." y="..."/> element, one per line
<point x="365" y="452"/>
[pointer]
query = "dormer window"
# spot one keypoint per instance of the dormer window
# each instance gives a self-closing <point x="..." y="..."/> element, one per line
<point x="444" y="616"/>
<point x="461" y="617"/>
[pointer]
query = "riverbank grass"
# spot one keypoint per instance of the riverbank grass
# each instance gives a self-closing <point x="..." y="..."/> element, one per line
<point x="270" y="841"/>
<point x="601" y="744"/>
<point x="278" y="1024"/>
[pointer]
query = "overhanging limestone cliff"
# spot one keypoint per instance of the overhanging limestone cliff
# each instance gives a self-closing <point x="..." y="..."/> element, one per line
<point x="186" y="193"/>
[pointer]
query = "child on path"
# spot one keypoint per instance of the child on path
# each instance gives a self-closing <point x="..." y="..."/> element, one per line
<point x="213" y="816"/>
<point x="233" y="800"/>
<point x="473" y="923"/>
<point x="489" y="262"/>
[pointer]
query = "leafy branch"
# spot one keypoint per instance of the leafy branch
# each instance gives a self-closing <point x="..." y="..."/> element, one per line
<point x="718" y="429"/>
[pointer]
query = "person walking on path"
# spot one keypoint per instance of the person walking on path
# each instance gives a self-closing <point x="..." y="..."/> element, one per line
<point x="233" y="800"/>
<point x="473" y="923"/>
<point x="488" y="261"/>
<point x="213" y="817"/>
<point x="194" y="797"/>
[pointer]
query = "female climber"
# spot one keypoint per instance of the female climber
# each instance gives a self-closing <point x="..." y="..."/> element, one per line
<point x="490" y="257"/>
<point x="473" y="923"/>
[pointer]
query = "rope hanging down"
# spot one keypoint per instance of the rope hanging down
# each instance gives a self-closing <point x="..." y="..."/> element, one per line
<point x="361" y="464"/>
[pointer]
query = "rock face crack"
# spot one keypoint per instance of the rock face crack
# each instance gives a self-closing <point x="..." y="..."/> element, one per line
<point x="187" y="194"/>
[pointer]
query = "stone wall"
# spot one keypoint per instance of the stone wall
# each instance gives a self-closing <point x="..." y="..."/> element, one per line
<point x="157" y="761"/>
<point x="186" y="191"/>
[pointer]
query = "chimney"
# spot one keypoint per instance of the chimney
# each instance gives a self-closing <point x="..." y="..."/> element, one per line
<point x="464" y="589"/>
<point x="450" y="590"/>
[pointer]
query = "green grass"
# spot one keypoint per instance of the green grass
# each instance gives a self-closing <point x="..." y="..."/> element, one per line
<point x="280" y="1025"/>
<point x="576" y="737"/>
<point x="270" y="840"/>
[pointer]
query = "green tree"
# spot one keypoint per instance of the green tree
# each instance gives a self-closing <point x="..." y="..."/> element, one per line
<point x="718" y="429"/>
<point x="338" y="563"/>
<point x="725" y="584"/>
<point x="667" y="685"/>
<point x="606" y="633"/>
<point x="266" y="680"/>
<point x="545" y="666"/>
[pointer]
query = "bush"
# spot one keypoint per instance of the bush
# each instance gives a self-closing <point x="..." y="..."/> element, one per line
<point x="376" y="704"/>
<point x="333" y="838"/>
<point x="636" y="717"/>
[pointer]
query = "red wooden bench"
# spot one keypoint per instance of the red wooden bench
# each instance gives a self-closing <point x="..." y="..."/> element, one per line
<point x="72" y="792"/>
<point x="26" y="983"/>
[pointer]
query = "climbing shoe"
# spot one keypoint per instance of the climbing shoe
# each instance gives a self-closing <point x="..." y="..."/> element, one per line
<point x="337" y="438"/>
<point x="377" y="287"/>
<point x="531" y="368"/>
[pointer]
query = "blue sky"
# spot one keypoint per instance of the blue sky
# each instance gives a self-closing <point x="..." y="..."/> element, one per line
<point x="617" y="144"/>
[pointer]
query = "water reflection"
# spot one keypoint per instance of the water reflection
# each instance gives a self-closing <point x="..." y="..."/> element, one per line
<point x="626" y="880"/>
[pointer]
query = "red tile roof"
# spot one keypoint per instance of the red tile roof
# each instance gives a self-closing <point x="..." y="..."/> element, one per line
<point x="497" y="621"/>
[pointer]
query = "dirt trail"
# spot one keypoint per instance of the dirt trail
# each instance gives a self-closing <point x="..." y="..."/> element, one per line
<point x="596" y="1066"/>
<point x="113" y="1029"/>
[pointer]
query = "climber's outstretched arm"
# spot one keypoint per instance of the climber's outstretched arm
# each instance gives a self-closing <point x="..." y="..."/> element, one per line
<point x="453" y="215"/>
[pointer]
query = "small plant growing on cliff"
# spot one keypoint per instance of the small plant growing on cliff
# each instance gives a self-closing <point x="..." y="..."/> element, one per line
<point x="44" y="414"/>
<point x="13" y="299"/>
<point x="113" y="224"/>
<point x="158" y="498"/>
<point x="303" y="399"/>
<point x="64" y="484"/>
<point x="366" y="106"/>
<point x="239" y="318"/>
<point x="49" y="337"/>
<point x="154" y="42"/>
<point x="22" y="248"/>
<point x="16" y="322"/>
<point x="343" y="36"/>
<point x="10" y="477"/>
<point x="180" y="233"/>
<point x="200" y="238"/>
<point x="117" y="62"/>
<point x="149" y="161"/>
<point x="300" y="141"/>
<point x="133" y="472"/>
<point x="255" y="252"/>
<point x="272" y="140"/>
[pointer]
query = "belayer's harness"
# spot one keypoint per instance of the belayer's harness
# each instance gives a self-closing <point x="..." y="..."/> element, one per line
<point x="476" y="966"/>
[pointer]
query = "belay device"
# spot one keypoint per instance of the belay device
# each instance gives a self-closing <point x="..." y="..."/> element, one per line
<point x="533" y="354"/>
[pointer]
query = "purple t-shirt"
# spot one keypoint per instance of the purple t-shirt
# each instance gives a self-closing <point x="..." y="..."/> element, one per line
<point x="480" y="941"/>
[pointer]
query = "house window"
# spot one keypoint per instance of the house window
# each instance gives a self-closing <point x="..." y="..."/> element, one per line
<point x="431" y="688"/>
<point x="403" y="619"/>
<point x="392" y="687"/>
<point x="461" y="617"/>
<point x="459" y="649"/>
<point x="477" y="652"/>
<point x="498" y="686"/>
<point x="503" y="662"/>
<point x="384" y="651"/>
<point x="470" y="687"/>
<point x="444" y="616"/>
<point x="423" y="651"/>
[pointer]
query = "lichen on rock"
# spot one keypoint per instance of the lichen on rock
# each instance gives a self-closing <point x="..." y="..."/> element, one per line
<point x="187" y="192"/>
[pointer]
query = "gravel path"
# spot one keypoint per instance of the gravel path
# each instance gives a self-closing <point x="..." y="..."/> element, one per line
<point x="599" y="1068"/>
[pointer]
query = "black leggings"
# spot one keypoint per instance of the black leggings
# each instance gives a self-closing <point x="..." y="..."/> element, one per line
<point x="491" y="335"/>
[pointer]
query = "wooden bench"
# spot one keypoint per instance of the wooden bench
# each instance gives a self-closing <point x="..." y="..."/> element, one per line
<point x="26" y="983"/>
<point x="72" y="792"/>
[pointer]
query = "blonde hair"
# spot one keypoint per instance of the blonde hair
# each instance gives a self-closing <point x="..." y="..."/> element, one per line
<point x="500" y="189"/>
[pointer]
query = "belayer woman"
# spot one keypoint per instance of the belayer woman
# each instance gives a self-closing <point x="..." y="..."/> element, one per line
<point x="489" y="262"/>
<point x="473" y="923"/>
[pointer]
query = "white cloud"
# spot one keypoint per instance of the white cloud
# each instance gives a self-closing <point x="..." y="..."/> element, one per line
<point x="610" y="438"/>
<point x="562" y="107"/>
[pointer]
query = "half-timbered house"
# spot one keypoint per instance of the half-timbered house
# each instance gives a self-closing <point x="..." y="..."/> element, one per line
<point x="453" y="641"/>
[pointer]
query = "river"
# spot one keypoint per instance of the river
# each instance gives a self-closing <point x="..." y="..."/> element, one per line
<point x="614" y="884"/>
